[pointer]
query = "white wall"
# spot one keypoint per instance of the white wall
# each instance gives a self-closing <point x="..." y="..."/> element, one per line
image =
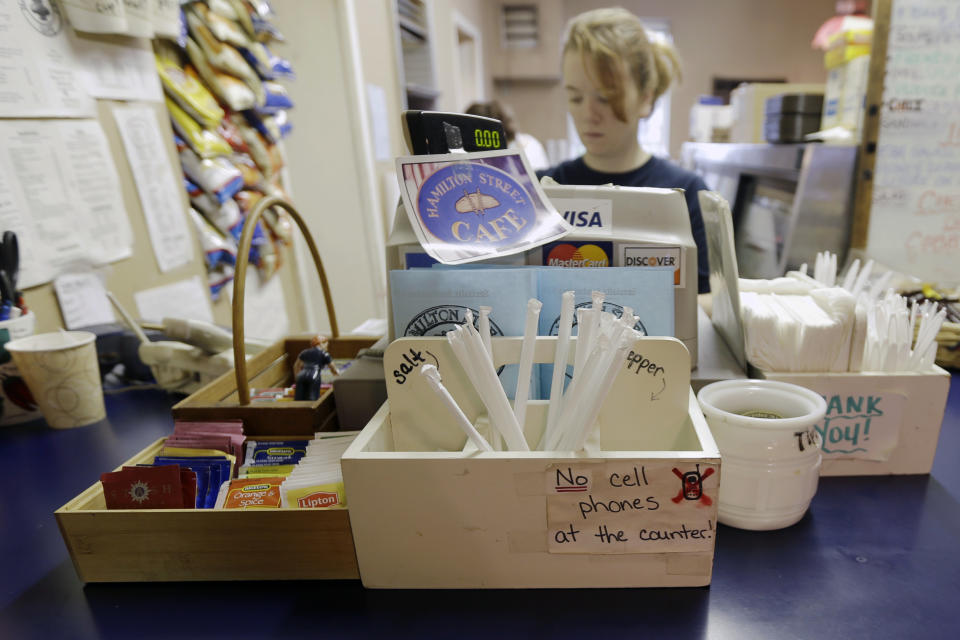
<point x="327" y="163"/>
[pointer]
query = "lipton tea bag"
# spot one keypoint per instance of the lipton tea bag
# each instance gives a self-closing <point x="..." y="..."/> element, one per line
<point x="315" y="494"/>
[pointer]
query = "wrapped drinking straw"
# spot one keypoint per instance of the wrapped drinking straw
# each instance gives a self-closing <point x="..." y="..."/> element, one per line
<point x="559" y="366"/>
<point x="432" y="376"/>
<point x="522" y="394"/>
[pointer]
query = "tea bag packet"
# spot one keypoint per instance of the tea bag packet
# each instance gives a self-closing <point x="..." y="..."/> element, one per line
<point x="265" y="470"/>
<point x="314" y="490"/>
<point x="143" y="488"/>
<point x="189" y="452"/>
<point x="219" y="442"/>
<point x="250" y="493"/>
<point x="322" y="449"/>
<point x="431" y="302"/>
<point x="647" y="292"/>
<point x="212" y="471"/>
<point x="275" y="451"/>
<point x="211" y="426"/>
<point x="201" y="486"/>
<point x="317" y="481"/>
<point x="272" y="394"/>
<point x="189" y="487"/>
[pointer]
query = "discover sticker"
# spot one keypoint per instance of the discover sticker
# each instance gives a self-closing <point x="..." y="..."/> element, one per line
<point x="655" y="256"/>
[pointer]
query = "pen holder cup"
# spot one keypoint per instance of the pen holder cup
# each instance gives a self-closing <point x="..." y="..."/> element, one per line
<point x="16" y="402"/>
<point x="770" y="449"/>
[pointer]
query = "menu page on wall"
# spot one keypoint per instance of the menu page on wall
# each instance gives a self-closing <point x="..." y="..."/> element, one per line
<point x="915" y="215"/>
<point x="38" y="75"/>
<point x="60" y="193"/>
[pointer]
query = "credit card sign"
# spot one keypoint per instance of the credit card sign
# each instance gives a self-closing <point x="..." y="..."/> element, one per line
<point x="655" y="256"/>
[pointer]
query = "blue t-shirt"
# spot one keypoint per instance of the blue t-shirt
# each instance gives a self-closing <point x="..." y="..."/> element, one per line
<point x="655" y="172"/>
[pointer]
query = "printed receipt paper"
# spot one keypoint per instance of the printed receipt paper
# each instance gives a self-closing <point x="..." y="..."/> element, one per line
<point x="474" y="206"/>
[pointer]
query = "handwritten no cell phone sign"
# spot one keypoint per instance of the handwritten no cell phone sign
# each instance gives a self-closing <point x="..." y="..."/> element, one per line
<point x="631" y="506"/>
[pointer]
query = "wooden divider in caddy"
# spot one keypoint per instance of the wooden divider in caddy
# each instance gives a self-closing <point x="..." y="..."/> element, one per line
<point x="203" y="544"/>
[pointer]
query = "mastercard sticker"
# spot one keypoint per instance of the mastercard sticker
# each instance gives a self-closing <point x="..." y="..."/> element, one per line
<point x="578" y="254"/>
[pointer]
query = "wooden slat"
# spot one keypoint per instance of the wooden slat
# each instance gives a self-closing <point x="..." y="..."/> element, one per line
<point x="218" y="389"/>
<point x="867" y="156"/>
<point x="276" y="544"/>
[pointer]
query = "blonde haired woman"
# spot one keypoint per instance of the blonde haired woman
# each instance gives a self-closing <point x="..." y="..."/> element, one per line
<point x="613" y="74"/>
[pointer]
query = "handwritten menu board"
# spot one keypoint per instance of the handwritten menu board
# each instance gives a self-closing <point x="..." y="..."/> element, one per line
<point x="915" y="215"/>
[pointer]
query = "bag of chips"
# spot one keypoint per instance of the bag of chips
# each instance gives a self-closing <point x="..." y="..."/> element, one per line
<point x="231" y="91"/>
<point x="182" y="85"/>
<point x="204" y="143"/>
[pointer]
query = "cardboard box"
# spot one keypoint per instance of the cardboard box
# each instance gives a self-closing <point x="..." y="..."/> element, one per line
<point x="848" y="72"/>
<point x="877" y="423"/>
<point x="638" y="511"/>
<point x="160" y="545"/>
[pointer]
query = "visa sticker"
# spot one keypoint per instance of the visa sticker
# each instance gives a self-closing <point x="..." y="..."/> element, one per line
<point x="586" y="216"/>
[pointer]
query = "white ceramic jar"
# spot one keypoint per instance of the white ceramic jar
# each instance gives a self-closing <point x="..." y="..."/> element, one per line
<point x="769" y="448"/>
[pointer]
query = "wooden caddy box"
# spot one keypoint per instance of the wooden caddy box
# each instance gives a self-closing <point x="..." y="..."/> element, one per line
<point x="272" y="367"/>
<point x="429" y="513"/>
<point x="164" y="545"/>
<point x="877" y="423"/>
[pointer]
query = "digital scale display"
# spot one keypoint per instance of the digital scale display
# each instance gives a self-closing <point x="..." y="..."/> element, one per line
<point x="429" y="132"/>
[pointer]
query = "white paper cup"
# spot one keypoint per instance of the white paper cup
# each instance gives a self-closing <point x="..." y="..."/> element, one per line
<point x="62" y="373"/>
<point x="769" y="448"/>
<point x="16" y="403"/>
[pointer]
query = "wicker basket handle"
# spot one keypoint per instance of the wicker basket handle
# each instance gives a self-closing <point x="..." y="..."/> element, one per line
<point x="239" y="282"/>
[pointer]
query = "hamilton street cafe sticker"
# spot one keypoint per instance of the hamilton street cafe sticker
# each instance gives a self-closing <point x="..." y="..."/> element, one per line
<point x="471" y="206"/>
